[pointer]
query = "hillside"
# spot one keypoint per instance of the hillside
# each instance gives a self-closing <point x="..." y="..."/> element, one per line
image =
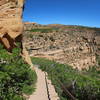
<point x="74" y="45"/>
<point x="71" y="84"/>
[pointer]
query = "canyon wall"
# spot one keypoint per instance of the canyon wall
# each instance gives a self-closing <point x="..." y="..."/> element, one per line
<point x="11" y="26"/>
<point x="74" y="45"/>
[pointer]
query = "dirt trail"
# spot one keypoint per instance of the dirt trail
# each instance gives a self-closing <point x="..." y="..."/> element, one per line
<point x="41" y="88"/>
<point x="41" y="91"/>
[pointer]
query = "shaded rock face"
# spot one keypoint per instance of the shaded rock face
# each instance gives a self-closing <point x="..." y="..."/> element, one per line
<point x="11" y="26"/>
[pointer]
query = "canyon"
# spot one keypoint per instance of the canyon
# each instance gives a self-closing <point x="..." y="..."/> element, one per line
<point x="77" y="46"/>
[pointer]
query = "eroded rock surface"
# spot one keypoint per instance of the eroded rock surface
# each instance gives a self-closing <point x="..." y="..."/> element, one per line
<point x="73" y="45"/>
<point x="11" y="26"/>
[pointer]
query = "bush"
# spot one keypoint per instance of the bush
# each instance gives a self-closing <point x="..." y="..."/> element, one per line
<point x="84" y="85"/>
<point x="15" y="75"/>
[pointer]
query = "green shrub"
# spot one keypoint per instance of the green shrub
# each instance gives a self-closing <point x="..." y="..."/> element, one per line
<point x="28" y="89"/>
<point x="83" y="85"/>
<point x="15" y="76"/>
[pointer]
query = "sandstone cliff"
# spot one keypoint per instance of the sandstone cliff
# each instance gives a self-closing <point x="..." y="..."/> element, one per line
<point x="74" y="45"/>
<point x="11" y="26"/>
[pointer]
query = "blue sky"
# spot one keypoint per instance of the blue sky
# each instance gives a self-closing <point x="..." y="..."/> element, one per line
<point x="69" y="12"/>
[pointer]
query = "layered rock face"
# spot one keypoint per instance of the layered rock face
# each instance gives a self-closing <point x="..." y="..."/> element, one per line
<point x="73" y="45"/>
<point x="11" y="26"/>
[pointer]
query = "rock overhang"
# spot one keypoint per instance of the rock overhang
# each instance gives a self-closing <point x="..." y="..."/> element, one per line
<point x="11" y="25"/>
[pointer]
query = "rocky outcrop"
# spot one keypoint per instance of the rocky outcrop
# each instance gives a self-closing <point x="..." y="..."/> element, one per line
<point x="28" y="25"/>
<point x="11" y="26"/>
<point x="26" y="56"/>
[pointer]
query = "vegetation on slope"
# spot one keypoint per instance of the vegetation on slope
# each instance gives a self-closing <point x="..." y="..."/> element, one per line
<point x="58" y="27"/>
<point x="69" y="83"/>
<point x="16" y="77"/>
<point x="42" y="30"/>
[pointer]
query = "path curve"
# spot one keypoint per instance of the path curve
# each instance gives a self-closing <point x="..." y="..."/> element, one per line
<point x="41" y="88"/>
<point x="41" y="91"/>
